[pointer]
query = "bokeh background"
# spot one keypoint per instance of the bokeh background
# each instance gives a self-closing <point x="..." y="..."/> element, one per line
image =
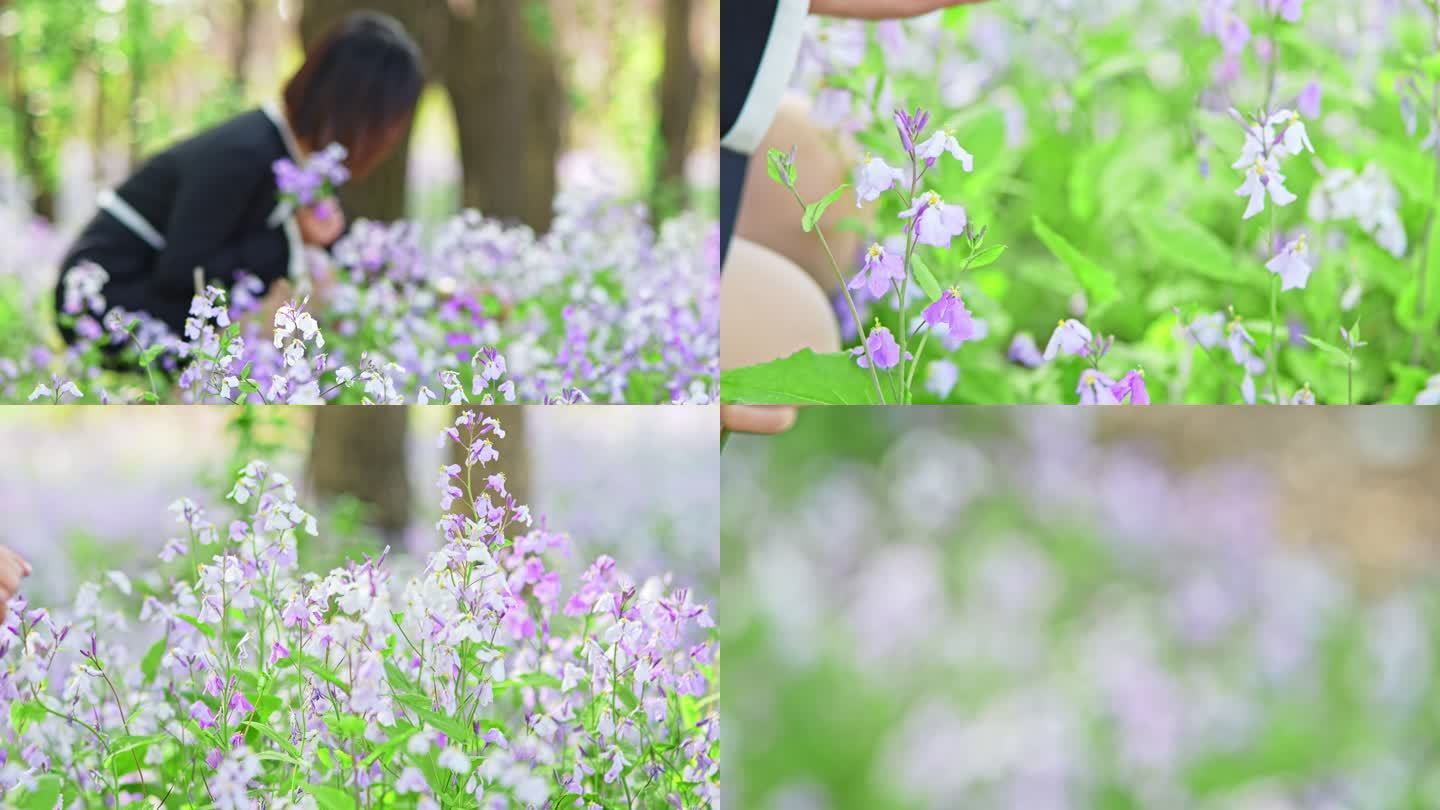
<point x="1048" y="608"/>
<point x="86" y="490"/>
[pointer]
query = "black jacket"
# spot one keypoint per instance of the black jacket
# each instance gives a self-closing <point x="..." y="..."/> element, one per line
<point x="748" y="29"/>
<point x="211" y="198"/>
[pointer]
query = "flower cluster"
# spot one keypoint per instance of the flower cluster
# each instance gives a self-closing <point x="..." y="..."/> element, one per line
<point x="1096" y="126"/>
<point x="483" y="679"/>
<point x="316" y="181"/>
<point x="887" y="268"/>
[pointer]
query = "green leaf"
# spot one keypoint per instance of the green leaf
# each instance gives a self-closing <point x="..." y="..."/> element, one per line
<point x="1180" y="242"/>
<point x="775" y="164"/>
<point x="1099" y="284"/>
<point x="537" y="680"/>
<point x="1406" y="302"/>
<point x="803" y="378"/>
<point x="42" y="796"/>
<point x="274" y="736"/>
<point x="814" y="211"/>
<point x="330" y="798"/>
<point x="312" y="664"/>
<point x="126" y="752"/>
<point x="396" y="740"/>
<point x="926" y="279"/>
<point x="986" y="257"/>
<point x="150" y="664"/>
<point x="277" y="756"/>
<point x="422" y="707"/>
<point x="1328" y="348"/>
<point x="148" y="356"/>
<point x="24" y="712"/>
<point x="207" y="630"/>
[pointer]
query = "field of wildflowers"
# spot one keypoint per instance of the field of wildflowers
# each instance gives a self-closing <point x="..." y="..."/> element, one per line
<point x="602" y="308"/>
<point x="1227" y="201"/>
<point x="483" y="672"/>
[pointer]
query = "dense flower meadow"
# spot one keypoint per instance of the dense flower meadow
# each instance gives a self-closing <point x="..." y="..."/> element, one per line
<point x="228" y="678"/>
<point x="1042" y="620"/>
<point x="1119" y="202"/>
<point x="603" y="308"/>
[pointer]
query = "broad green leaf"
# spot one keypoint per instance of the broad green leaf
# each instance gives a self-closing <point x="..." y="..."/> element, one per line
<point x="205" y="629"/>
<point x="42" y="796"/>
<point x="312" y="664"/>
<point x="150" y="664"/>
<point x="23" y="713"/>
<point x="1099" y="284"/>
<point x="926" y="279"/>
<point x="1328" y="348"/>
<point x="1180" y="242"/>
<point x="803" y="378"/>
<point x="330" y="798"/>
<point x="986" y="257"/>
<point x="127" y="752"/>
<point x="422" y="707"/>
<point x="148" y="356"/>
<point x="814" y="211"/>
<point x="274" y="736"/>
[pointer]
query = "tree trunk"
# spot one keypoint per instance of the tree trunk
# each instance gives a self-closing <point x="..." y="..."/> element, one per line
<point x="509" y="101"/>
<point x="678" y="93"/>
<point x="362" y="452"/>
<point x="137" y="32"/>
<point x="32" y="164"/>
<point x="244" y="43"/>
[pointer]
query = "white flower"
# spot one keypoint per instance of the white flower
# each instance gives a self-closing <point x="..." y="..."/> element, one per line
<point x="1070" y="337"/>
<point x="1293" y="137"/>
<point x="1261" y="176"/>
<point x="874" y="177"/>
<point x="455" y="760"/>
<point x="944" y="141"/>
<point x="1291" y="265"/>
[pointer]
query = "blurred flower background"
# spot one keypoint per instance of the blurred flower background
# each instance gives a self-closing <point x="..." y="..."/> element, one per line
<point x="1040" y="608"/>
<point x="86" y="491"/>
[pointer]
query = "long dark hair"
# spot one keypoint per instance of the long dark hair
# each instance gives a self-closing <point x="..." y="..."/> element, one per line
<point x="358" y="87"/>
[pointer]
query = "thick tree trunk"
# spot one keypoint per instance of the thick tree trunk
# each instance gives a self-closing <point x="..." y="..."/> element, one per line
<point x="362" y="452"/>
<point x="138" y="32"/>
<point x="678" y="94"/>
<point x="244" y="44"/>
<point x="32" y="164"/>
<point x="509" y="102"/>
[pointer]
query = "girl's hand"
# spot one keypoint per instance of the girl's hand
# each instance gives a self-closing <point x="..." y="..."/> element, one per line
<point x="757" y="418"/>
<point x="12" y="569"/>
<point x="321" y="225"/>
<point x="882" y="9"/>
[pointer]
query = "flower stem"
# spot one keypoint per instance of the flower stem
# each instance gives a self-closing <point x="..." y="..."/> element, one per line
<point x="1274" y="313"/>
<point x="844" y="290"/>
<point x="919" y="352"/>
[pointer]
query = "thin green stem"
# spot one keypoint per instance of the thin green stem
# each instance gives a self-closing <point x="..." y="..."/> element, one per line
<point x="1274" y="348"/>
<point x="854" y="312"/>
<point x="919" y="353"/>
